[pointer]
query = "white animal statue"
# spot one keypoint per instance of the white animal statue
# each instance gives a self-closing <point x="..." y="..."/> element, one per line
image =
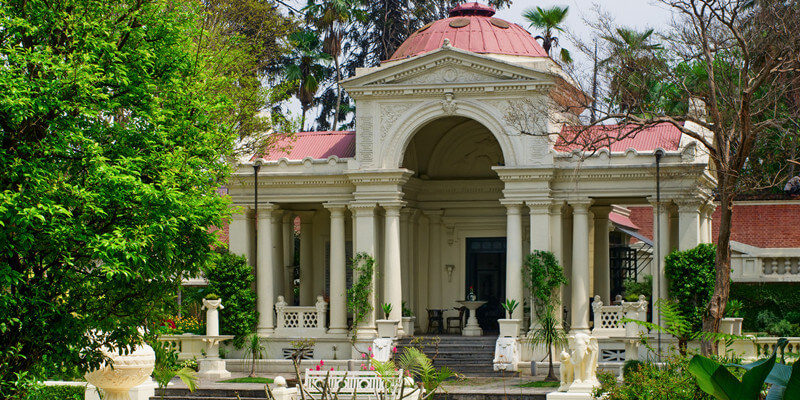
<point x="579" y="367"/>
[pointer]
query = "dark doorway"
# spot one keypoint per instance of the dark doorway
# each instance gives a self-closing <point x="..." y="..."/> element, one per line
<point x="486" y="275"/>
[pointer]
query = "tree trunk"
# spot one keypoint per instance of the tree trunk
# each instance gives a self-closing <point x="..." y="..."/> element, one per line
<point x="338" y="94"/>
<point x="722" y="286"/>
<point x="551" y="373"/>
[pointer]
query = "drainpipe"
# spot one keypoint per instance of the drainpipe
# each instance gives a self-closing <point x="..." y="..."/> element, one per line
<point x="659" y="266"/>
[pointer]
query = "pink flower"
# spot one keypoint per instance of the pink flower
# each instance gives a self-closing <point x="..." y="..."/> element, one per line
<point x="394" y="349"/>
<point x="372" y="368"/>
<point x="318" y="368"/>
<point x="371" y="355"/>
<point x="321" y="362"/>
<point x="331" y="368"/>
<point x="363" y="367"/>
<point x="363" y="355"/>
<point x="369" y="349"/>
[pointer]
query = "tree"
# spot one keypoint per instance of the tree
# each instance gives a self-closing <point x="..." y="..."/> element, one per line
<point x="734" y="57"/>
<point x="543" y="276"/>
<point x="332" y="16"/>
<point x="632" y="58"/>
<point x="549" y="20"/>
<point x="308" y="67"/>
<point x="113" y="145"/>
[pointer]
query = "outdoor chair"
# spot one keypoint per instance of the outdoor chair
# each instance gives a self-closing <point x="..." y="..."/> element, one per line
<point x="459" y="320"/>
<point x="435" y="319"/>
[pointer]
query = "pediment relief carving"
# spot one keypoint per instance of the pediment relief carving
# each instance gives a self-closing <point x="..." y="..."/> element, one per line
<point x="450" y="70"/>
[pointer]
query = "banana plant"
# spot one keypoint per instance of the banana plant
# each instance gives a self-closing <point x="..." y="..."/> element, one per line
<point x="716" y="380"/>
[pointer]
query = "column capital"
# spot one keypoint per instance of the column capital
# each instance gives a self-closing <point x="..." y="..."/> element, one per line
<point x="556" y="207"/>
<point x="394" y="205"/>
<point x="580" y="206"/>
<point x="508" y="203"/>
<point x="340" y="207"/>
<point x="362" y="208"/>
<point x="287" y="216"/>
<point x="601" y="212"/>
<point x="709" y="208"/>
<point x="407" y="213"/>
<point x="305" y="216"/>
<point x="538" y="206"/>
<point x="663" y="206"/>
<point x="243" y="216"/>
<point x="266" y="208"/>
<point x="689" y="205"/>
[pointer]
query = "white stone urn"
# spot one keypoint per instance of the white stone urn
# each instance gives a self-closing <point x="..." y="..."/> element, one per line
<point x="509" y="327"/>
<point x="387" y="328"/>
<point x="129" y="370"/>
<point x="212" y="316"/>
<point x="731" y="326"/>
<point x="408" y="325"/>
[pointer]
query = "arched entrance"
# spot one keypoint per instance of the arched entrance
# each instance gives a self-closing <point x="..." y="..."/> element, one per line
<point x="458" y="195"/>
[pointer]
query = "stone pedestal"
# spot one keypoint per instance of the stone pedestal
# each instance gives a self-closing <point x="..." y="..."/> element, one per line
<point x="382" y="349"/>
<point x="212" y="316"/>
<point x="128" y="371"/>
<point x="506" y="354"/>
<point x="212" y="369"/>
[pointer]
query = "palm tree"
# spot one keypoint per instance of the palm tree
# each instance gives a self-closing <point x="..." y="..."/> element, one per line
<point x="308" y="66"/>
<point x="549" y="20"/>
<point x="632" y="62"/>
<point x="549" y="335"/>
<point x="332" y="17"/>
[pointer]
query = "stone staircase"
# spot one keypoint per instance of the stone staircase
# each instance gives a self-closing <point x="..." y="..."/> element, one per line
<point x="470" y="356"/>
<point x="211" y="394"/>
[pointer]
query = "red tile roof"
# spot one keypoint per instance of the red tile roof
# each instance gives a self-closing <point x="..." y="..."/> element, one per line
<point x="663" y="135"/>
<point x="471" y="27"/>
<point x="317" y="145"/>
<point x="622" y="220"/>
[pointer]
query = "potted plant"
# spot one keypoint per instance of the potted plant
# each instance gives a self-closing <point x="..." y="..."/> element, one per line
<point x="387" y="328"/>
<point x="510" y="327"/>
<point x="732" y="323"/>
<point x="408" y="320"/>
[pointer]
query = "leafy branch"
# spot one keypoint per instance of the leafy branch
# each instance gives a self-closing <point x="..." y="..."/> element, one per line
<point x="358" y="295"/>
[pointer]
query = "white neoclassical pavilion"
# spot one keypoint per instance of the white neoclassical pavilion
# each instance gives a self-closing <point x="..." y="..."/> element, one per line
<point x="449" y="180"/>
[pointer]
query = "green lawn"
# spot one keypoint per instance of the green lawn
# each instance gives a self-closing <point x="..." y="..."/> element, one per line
<point x="247" y="380"/>
<point x="537" y="384"/>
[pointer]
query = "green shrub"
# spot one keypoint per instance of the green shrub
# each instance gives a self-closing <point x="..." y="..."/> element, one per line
<point x="650" y="382"/>
<point x="691" y="275"/>
<point x="630" y="366"/>
<point x="230" y="278"/>
<point x="782" y="328"/>
<point x="634" y="288"/>
<point x="56" y="393"/>
<point x="779" y="298"/>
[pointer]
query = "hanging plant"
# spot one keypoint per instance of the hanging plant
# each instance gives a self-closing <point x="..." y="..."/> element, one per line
<point x="543" y="275"/>
<point x="358" y="295"/>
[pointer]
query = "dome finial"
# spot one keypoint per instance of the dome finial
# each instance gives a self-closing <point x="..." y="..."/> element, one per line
<point x="474" y="9"/>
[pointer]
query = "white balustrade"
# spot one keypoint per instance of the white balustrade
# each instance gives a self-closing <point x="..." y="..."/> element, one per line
<point x="608" y="319"/>
<point x="301" y="321"/>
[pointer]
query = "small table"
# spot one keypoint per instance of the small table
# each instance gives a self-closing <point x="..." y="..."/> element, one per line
<point x="472" y="328"/>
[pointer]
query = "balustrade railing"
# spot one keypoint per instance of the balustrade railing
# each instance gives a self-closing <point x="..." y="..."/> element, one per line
<point x="301" y="321"/>
<point x="608" y="319"/>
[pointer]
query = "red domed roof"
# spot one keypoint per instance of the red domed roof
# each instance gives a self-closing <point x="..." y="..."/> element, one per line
<point x="471" y="27"/>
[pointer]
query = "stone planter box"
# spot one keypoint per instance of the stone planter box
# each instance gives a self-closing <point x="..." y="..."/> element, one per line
<point x="408" y="325"/>
<point x="509" y="327"/>
<point x="732" y="326"/>
<point x="387" y="328"/>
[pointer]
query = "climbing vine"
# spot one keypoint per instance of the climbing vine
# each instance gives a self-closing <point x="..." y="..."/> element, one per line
<point x="543" y="274"/>
<point x="358" y="295"/>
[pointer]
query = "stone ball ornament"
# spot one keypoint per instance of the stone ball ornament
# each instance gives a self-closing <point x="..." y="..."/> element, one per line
<point x="129" y="370"/>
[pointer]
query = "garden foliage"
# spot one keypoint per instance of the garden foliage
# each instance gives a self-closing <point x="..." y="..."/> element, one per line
<point x="691" y="276"/>
<point x="114" y="140"/>
<point x="653" y="382"/>
<point x="764" y="306"/>
<point x="231" y="278"/>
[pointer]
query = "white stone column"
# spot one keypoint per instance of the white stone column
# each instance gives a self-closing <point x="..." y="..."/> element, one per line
<point x="393" y="278"/>
<point x="364" y="229"/>
<point x="240" y="235"/>
<point x="661" y="241"/>
<point x="557" y="248"/>
<point x="306" y="258"/>
<point x="602" y="270"/>
<point x="405" y="254"/>
<point x="338" y="289"/>
<point x="540" y="240"/>
<point x="580" y="267"/>
<point x="277" y="253"/>
<point x="688" y="224"/>
<point x="264" y="271"/>
<point x="514" y="255"/>
<point x="288" y="256"/>
<point x="434" y="264"/>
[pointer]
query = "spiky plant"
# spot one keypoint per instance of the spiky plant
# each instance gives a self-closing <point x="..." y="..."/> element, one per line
<point x="549" y="20"/>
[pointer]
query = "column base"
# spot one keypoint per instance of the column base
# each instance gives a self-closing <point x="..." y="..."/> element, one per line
<point x="338" y="331"/>
<point x="569" y="396"/>
<point x="265" y="332"/>
<point x="472" y="331"/>
<point x="212" y="369"/>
